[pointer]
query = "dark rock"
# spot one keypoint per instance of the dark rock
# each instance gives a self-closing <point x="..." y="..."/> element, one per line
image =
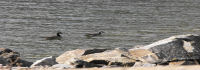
<point x="84" y="64"/>
<point x="77" y="63"/>
<point x="91" y="51"/>
<point x="11" y="56"/>
<point x="23" y="63"/>
<point x="4" y="61"/>
<point x="175" y="48"/>
<point x="5" y="50"/>
<point x="100" y="62"/>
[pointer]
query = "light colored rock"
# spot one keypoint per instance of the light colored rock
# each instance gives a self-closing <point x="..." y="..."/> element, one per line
<point x="141" y="64"/>
<point x="71" y="61"/>
<point x="69" y="54"/>
<point x="188" y="46"/>
<point x="119" y="55"/>
<point x="76" y="54"/>
<point x="97" y="57"/>
<point x="144" y="55"/>
<point x="176" y="63"/>
<point x="47" y="61"/>
<point x="62" y="66"/>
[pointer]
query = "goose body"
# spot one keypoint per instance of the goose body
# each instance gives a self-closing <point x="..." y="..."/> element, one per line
<point x="94" y="34"/>
<point x="57" y="37"/>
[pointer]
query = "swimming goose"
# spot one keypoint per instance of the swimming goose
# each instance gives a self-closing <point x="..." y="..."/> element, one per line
<point x="57" y="37"/>
<point x="94" y="34"/>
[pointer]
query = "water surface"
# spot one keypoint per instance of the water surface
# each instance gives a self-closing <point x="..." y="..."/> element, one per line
<point x="126" y="23"/>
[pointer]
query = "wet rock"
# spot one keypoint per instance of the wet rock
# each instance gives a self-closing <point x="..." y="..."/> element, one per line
<point x="48" y="61"/>
<point x="76" y="54"/>
<point x="175" y="48"/>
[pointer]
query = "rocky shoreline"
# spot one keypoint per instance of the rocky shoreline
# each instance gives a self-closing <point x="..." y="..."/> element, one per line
<point x="173" y="51"/>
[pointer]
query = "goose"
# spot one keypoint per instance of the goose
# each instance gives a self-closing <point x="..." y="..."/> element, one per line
<point x="57" y="37"/>
<point x="94" y="34"/>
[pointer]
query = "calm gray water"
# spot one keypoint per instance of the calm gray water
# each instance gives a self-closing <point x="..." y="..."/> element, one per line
<point x="126" y="22"/>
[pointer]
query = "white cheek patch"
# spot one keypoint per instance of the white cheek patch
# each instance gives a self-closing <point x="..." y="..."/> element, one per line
<point x="188" y="46"/>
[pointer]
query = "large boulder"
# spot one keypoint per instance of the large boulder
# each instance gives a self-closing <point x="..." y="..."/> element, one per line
<point x="76" y="54"/>
<point x="69" y="54"/>
<point x="96" y="58"/>
<point x="76" y="63"/>
<point x="116" y="57"/>
<point x="143" y="55"/>
<point x="175" y="48"/>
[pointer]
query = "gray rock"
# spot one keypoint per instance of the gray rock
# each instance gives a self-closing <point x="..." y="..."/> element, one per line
<point x="47" y="61"/>
<point x="175" y="48"/>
